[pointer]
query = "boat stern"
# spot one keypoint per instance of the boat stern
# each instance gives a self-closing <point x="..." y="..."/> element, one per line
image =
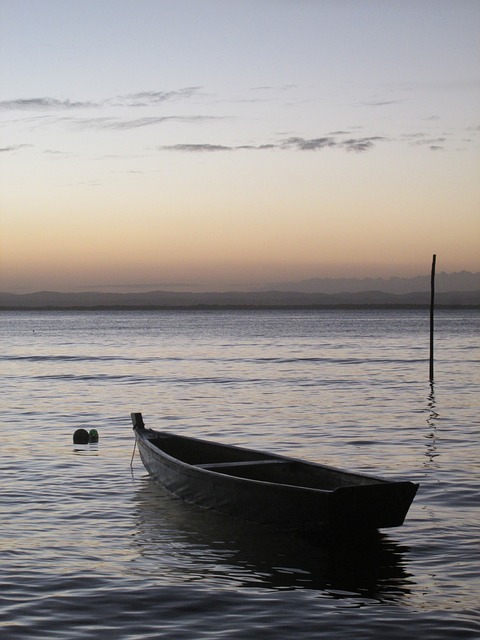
<point x="371" y="506"/>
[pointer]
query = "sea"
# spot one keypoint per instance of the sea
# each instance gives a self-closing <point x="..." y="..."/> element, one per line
<point x="91" y="547"/>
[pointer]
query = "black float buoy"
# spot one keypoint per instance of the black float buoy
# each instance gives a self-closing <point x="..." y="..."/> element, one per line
<point x="93" y="435"/>
<point x="80" y="436"/>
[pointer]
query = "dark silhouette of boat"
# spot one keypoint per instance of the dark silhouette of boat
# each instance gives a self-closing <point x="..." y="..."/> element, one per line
<point x="273" y="490"/>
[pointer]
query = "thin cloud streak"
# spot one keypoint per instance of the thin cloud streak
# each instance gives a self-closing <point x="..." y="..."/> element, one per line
<point x="196" y="147"/>
<point x="99" y="123"/>
<point x="295" y="143"/>
<point x="314" y="144"/>
<point x="360" y="144"/>
<point x="420" y="139"/>
<point x="149" y="98"/>
<point x="118" y="124"/>
<point x="27" y="104"/>
<point x="383" y="103"/>
<point x="14" y="148"/>
<point x="141" y="99"/>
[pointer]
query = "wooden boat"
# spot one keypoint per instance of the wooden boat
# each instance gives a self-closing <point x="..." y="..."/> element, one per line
<point x="273" y="490"/>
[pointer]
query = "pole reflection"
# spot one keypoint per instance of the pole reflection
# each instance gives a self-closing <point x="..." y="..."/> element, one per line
<point x="432" y="416"/>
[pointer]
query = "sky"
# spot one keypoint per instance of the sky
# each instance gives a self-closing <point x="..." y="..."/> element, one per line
<point x="234" y="144"/>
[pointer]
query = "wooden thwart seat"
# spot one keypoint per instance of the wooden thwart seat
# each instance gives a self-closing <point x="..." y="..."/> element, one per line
<point x="242" y="463"/>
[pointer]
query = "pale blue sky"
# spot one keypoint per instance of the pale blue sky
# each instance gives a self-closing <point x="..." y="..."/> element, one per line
<point x="233" y="143"/>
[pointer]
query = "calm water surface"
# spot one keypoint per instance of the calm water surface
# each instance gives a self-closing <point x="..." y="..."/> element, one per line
<point x="90" y="547"/>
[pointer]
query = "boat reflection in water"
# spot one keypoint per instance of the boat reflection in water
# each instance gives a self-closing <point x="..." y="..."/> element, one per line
<point x="176" y="542"/>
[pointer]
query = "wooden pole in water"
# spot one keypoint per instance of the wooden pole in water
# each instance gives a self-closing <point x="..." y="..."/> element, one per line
<point x="432" y="312"/>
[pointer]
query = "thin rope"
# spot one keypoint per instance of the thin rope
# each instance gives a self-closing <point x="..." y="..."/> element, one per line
<point x="133" y="454"/>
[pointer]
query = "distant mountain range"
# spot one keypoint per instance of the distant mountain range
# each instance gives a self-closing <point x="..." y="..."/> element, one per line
<point x="456" y="289"/>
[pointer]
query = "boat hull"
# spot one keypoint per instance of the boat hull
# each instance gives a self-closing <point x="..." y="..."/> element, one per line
<point x="269" y="489"/>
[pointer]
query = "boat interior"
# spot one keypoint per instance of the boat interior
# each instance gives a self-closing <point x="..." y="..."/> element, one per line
<point x="255" y="465"/>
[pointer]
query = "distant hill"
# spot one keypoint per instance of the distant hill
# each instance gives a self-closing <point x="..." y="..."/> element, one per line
<point x="234" y="299"/>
